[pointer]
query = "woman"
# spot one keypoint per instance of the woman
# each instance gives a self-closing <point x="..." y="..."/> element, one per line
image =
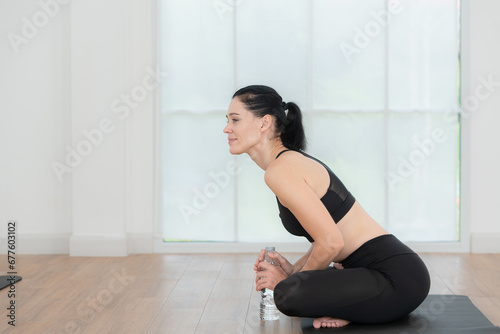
<point x="375" y="277"/>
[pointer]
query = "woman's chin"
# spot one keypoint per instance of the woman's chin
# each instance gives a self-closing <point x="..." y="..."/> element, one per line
<point x="235" y="151"/>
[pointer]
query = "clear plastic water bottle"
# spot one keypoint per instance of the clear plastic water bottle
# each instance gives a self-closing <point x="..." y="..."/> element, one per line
<point x="268" y="310"/>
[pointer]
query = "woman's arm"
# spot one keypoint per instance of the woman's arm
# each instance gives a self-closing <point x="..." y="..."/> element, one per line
<point x="294" y="193"/>
<point x="299" y="264"/>
<point x="322" y="256"/>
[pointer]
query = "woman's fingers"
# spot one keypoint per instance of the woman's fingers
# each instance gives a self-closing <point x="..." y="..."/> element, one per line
<point x="264" y="270"/>
<point x="268" y="276"/>
<point x="260" y="258"/>
<point x="281" y="258"/>
<point x="262" y="254"/>
<point x="264" y="266"/>
<point x="263" y="284"/>
<point x="284" y="263"/>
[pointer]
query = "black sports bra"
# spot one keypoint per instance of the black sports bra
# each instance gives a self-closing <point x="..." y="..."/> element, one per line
<point x="337" y="200"/>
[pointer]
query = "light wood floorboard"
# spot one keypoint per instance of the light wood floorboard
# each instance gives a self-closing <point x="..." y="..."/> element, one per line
<point x="189" y="293"/>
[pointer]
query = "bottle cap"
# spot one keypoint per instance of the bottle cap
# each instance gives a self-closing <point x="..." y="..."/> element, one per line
<point x="270" y="249"/>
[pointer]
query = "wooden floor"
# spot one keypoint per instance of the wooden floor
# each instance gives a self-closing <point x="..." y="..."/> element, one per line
<point x="192" y="293"/>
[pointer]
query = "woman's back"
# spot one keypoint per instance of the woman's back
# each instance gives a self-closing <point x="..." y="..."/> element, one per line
<point x="356" y="226"/>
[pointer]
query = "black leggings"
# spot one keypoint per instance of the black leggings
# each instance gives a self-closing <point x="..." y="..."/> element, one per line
<point x="382" y="281"/>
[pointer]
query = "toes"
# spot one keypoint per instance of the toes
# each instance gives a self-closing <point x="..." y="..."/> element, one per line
<point x="327" y="322"/>
<point x="321" y="322"/>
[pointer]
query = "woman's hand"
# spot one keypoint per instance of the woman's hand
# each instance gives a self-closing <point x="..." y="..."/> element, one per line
<point x="260" y="258"/>
<point x="268" y="276"/>
<point x="283" y="262"/>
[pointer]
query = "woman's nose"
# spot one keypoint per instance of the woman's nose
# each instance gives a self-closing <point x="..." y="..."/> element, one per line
<point x="226" y="129"/>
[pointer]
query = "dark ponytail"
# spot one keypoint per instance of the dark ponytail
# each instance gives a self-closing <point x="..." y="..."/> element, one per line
<point x="293" y="135"/>
<point x="263" y="100"/>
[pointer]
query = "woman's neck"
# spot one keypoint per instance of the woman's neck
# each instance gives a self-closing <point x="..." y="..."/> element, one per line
<point x="264" y="156"/>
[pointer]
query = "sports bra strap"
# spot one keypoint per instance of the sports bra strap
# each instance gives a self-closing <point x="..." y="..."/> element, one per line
<point x="281" y="153"/>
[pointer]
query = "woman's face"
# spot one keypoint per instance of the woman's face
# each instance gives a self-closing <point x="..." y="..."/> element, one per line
<point x="243" y="128"/>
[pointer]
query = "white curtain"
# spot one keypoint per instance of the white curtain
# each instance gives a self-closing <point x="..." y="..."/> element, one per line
<point x="378" y="84"/>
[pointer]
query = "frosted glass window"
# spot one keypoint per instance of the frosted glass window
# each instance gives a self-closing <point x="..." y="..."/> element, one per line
<point x="423" y="172"/>
<point x="377" y="81"/>
<point x="348" y="67"/>
<point x="197" y="54"/>
<point x="422" y="56"/>
<point x="272" y="48"/>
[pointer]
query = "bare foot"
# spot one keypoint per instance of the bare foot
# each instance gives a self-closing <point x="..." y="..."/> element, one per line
<point x="329" y="322"/>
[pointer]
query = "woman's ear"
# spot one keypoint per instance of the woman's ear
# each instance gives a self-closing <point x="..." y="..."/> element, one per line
<point x="267" y="121"/>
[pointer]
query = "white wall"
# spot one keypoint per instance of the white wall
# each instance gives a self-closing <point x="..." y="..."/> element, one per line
<point x="70" y="74"/>
<point x="482" y="64"/>
<point x="34" y="121"/>
<point x="75" y="63"/>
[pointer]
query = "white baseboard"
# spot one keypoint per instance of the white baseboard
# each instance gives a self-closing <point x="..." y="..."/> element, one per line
<point x="43" y="243"/>
<point x="226" y="247"/>
<point x="92" y="245"/>
<point x="290" y="247"/>
<point x="140" y="243"/>
<point x="485" y="242"/>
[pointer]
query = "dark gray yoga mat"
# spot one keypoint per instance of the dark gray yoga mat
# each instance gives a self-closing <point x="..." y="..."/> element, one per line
<point x="438" y="314"/>
<point x="5" y="280"/>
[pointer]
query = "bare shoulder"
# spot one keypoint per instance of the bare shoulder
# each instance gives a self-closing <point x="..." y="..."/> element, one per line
<point x="285" y="174"/>
<point x="286" y="166"/>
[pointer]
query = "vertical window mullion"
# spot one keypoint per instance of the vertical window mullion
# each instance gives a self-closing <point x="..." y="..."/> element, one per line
<point x="386" y="122"/>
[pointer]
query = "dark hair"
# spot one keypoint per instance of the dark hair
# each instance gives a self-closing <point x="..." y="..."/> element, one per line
<point x="263" y="100"/>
